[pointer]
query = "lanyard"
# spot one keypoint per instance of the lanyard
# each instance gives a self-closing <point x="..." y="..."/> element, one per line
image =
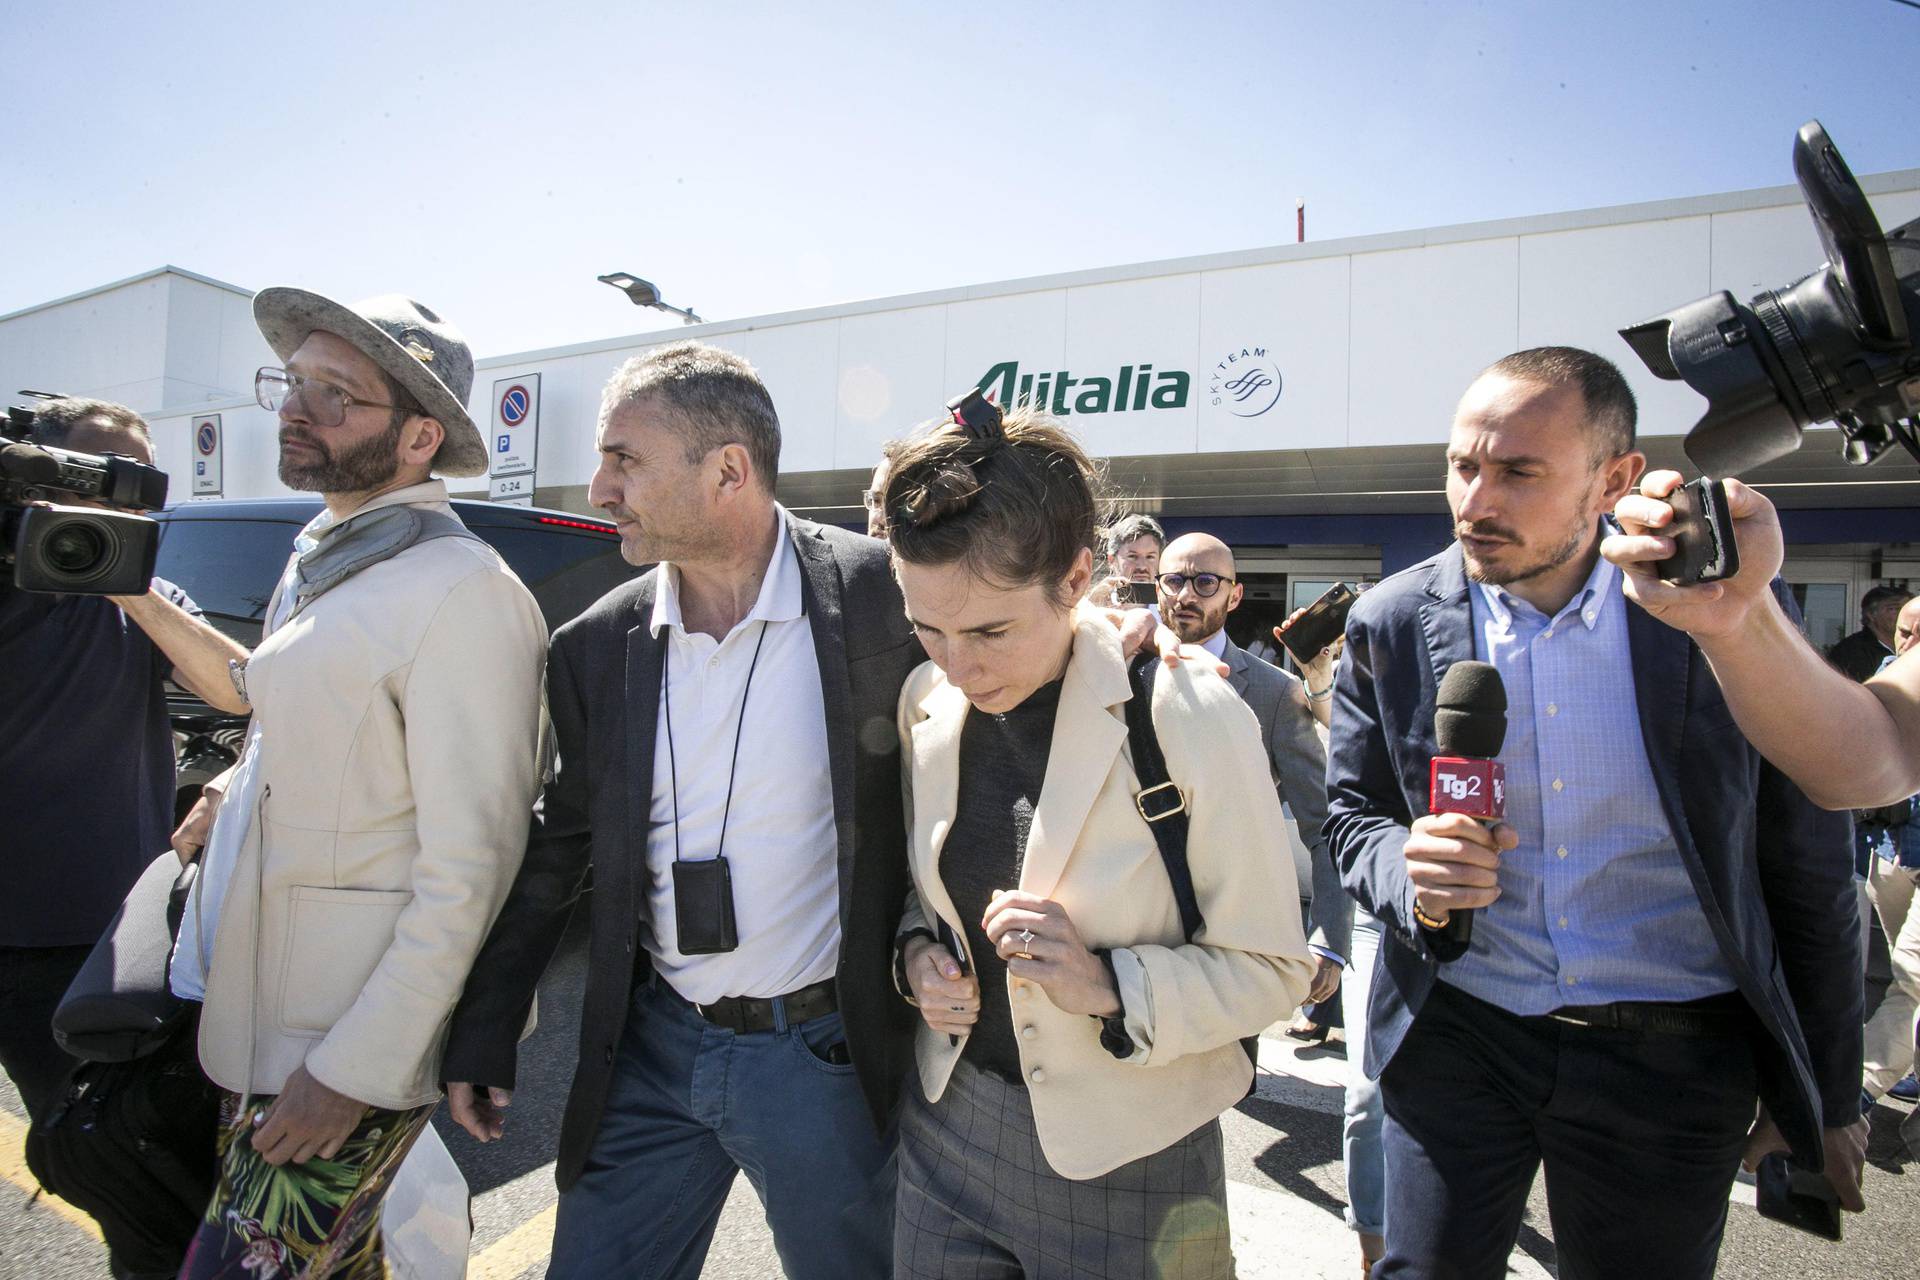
<point x="673" y="765"/>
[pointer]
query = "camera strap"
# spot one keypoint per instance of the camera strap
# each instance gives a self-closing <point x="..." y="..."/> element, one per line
<point x="733" y="765"/>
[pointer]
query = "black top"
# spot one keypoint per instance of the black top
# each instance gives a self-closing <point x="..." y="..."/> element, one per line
<point x="86" y="762"/>
<point x="1859" y="655"/>
<point x="1003" y="763"/>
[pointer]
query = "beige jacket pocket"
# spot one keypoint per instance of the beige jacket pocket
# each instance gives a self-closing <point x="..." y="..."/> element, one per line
<point x="335" y="939"/>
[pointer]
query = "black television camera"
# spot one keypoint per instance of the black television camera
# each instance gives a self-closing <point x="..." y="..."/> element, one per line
<point x="1838" y="346"/>
<point x="75" y="550"/>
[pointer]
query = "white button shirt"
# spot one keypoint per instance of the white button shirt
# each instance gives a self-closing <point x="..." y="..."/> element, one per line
<point x="782" y="844"/>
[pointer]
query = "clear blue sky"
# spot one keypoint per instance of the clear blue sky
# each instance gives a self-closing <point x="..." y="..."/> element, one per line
<point x="492" y="158"/>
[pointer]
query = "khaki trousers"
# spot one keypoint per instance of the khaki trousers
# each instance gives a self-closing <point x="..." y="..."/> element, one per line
<point x="1890" y="1032"/>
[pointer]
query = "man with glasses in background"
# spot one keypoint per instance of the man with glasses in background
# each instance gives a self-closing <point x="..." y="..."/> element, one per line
<point x="379" y="812"/>
<point x="1197" y="590"/>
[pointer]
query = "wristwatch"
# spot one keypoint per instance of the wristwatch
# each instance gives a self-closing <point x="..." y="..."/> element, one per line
<point x="1114" y="1037"/>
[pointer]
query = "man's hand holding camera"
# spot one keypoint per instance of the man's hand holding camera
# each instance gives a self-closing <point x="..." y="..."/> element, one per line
<point x="1709" y="609"/>
<point x="1848" y="746"/>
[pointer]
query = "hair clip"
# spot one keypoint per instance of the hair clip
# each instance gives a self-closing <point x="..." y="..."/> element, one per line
<point x="978" y="416"/>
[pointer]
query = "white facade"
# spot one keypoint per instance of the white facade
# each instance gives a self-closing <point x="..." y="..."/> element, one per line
<point x="1354" y="352"/>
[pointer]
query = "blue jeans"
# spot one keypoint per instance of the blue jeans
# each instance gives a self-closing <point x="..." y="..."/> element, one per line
<point x="690" y="1105"/>
<point x="1360" y="1134"/>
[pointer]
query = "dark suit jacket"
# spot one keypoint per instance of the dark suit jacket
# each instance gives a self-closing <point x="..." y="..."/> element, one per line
<point x="1299" y="767"/>
<point x="603" y="690"/>
<point x="1773" y="872"/>
<point x="1859" y="655"/>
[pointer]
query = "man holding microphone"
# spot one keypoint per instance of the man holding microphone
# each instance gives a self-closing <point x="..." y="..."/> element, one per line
<point x="1661" y="917"/>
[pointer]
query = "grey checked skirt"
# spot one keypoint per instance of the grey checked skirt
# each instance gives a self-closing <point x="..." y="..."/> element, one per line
<point x="978" y="1202"/>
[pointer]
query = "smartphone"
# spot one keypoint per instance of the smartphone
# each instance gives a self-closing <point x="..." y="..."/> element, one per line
<point x="1702" y="533"/>
<point x="1806" y="1201"/>
<point x="1135" y="595"/>
<point x="1324" y="621"/>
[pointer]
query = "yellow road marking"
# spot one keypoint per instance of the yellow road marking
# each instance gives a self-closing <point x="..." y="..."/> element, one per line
<point x="520" y="1248"/>
<point x="13" y="1167"/>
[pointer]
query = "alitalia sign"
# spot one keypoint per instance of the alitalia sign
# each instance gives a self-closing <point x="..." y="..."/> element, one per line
<point x="1245" y="381"/>
<point x="1135" y="387"/>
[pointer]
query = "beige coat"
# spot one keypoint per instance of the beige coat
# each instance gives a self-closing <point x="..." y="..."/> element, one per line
<point x="399" y="759"/>
<point x="1091" y="851"/>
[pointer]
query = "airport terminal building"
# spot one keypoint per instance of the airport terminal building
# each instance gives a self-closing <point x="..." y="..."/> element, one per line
<point x="1293" y="400"/>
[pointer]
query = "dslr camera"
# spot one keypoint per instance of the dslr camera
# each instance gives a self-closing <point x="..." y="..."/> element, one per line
<point x="68" y="549"/>
<point x="1838" y="346"/>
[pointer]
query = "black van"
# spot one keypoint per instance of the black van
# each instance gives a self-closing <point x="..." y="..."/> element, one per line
<point x="229" y="554"/>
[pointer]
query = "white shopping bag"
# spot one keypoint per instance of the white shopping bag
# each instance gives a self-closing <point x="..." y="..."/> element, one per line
<point x="424" y="1223"/>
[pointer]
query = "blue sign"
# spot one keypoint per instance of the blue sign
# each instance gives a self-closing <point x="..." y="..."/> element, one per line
<point x="503" y="444"/>
<point x="207" y="437"/>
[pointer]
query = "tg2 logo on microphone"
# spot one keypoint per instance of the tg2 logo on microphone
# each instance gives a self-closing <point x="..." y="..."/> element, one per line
<point x="1477" y="788"/>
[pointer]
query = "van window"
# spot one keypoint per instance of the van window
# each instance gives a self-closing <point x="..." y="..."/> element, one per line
<point x="229" y="567"/>
<point x="565" y="571"/>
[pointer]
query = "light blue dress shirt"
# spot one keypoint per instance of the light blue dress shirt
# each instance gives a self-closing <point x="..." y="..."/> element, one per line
<point x="1595" y="905"/>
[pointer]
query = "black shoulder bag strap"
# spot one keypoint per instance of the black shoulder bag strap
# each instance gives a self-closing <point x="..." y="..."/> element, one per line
<point x="1164" y="807"/>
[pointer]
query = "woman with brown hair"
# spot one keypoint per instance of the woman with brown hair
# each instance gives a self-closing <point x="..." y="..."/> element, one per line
<point x="1080" y="1040"/>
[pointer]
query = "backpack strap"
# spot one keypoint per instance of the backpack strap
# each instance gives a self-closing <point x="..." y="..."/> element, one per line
<point x="1160" y="802"/>
<point x="1164" y="806"/>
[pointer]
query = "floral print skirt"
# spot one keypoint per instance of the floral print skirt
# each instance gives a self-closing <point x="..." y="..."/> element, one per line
<point x="314" y="1221"/>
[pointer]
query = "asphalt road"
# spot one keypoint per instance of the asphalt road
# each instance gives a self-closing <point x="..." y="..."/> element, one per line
<point x="1283" y="1162"/>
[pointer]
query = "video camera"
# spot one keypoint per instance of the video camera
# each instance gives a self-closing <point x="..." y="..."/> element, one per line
<point x="1838" y="346"/>
<point x="75" y="550"/>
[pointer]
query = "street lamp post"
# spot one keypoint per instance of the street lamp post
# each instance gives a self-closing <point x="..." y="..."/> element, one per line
<point x="643" y="294"/>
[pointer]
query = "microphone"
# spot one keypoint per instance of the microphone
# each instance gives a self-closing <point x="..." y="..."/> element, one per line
<point x="28" y="463"/>
<point x="1469" y="725"/>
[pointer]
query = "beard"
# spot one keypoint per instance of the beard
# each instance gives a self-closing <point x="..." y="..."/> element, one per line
<point x="355" y="468"/>
<point x="1207" y="617"/>
<point x="1518" y="570"/>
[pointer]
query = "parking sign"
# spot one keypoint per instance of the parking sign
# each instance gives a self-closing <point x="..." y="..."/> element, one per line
<point x="206" y="456"/>
<point x="516" y="425"/>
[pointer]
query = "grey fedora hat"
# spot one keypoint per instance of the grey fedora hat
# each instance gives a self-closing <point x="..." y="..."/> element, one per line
<point x="425" y="354"/>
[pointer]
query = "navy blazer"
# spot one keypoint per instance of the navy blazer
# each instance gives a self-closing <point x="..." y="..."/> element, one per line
<point x="1773" y="872"/>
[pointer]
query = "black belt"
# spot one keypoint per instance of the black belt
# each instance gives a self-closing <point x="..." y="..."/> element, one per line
<point x="1722" y="1015"/>
<point x="747" y="1014"/>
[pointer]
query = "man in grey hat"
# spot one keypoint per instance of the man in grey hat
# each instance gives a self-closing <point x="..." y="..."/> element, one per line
<point x="378" y="815"/>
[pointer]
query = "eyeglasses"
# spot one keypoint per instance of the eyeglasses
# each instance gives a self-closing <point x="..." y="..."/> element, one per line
<point x="1205" y="585"/>
<point x="326" y="404"/>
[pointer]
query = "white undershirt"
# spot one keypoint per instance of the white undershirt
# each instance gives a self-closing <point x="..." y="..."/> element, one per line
<point x="781" y="839"/>
<point x="193" y="948"/>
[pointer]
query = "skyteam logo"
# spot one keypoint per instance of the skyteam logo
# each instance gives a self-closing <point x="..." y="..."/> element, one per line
<point x="1246" y="382"/>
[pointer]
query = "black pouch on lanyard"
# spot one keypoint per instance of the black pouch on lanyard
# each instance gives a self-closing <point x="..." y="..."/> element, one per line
<point x="703" y="907"/>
